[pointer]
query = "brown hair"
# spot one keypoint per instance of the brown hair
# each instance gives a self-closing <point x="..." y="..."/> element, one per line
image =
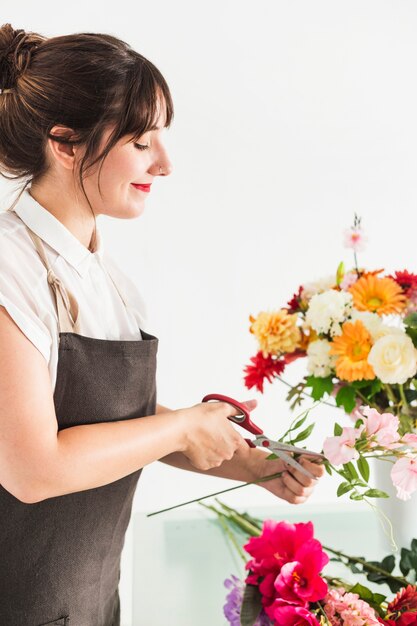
<point x="84" y="81"/>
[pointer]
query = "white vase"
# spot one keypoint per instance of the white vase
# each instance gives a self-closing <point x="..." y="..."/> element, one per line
<point x="402" y="514"/>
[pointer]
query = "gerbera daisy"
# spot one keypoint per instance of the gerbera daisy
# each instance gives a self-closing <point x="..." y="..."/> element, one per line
<point x="352" y="347"/>
<point x="380" y="295"/>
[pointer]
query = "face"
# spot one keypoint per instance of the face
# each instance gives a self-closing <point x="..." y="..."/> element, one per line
<point x="128" y="163"/>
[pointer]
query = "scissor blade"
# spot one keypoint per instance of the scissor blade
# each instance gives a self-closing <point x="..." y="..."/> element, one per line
<point x="271" y="445"/>
<point x="289" y="448"/>
<point x="288" y="459"/>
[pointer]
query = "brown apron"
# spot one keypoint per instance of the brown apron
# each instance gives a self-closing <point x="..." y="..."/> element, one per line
<point x="60" y="558"/>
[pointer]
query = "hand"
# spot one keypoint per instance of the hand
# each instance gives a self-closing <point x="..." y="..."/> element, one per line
<point x="293" y="486"/>
<point x="208" y="436"/>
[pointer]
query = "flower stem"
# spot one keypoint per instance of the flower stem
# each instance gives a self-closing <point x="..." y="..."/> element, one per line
<point x="404" y="399"/>
<point x="217" y="493"/>
<point x="367" y="566"/>
<point x="304" y="393"/>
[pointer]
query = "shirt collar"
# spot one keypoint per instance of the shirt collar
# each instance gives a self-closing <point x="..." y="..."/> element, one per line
<point x="55" y="234"/>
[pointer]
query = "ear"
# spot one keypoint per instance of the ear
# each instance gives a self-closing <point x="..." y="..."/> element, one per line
<point x="63" y="153"/>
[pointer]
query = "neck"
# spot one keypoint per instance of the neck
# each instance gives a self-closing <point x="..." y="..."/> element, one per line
<point x="76" y="216"/>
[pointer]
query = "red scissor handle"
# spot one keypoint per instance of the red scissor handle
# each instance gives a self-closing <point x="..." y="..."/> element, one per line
<point x="243" y="420"/>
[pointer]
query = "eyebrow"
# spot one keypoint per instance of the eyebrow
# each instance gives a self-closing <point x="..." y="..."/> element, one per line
<point x="154" y="128"/>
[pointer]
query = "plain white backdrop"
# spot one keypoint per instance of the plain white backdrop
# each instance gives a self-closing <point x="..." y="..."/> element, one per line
<point x="289" y="117"/>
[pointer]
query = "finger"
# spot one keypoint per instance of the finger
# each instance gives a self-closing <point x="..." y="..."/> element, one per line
<point x="312" y="466"/>
<point x="250" y="403"/>
<point x="304" y="480"/>
<point x="297" y="488"/>
<point x="291" y="497"/>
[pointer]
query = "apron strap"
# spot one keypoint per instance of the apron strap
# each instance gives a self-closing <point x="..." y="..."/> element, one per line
<point x="66" y="303"/>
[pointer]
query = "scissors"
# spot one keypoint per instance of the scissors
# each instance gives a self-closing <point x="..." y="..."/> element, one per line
<point x="282" y="450"/>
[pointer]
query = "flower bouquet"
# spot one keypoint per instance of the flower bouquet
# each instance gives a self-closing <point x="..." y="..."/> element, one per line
<point x="286" y="584"/>
<point x="357" y="330"/>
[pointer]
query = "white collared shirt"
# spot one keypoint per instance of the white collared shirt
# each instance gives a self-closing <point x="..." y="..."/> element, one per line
<point x="28" y="298"/>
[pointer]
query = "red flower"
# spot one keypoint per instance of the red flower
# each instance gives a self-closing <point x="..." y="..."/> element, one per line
<point x="403" y="608"/>
<point x="299" y="581"/>
<point x="263" y="368"/>
<point x="294" y="303"/>
<point x="407" y="281"/>
<point x="289" y="615"/>
<point x="283" y="543"/>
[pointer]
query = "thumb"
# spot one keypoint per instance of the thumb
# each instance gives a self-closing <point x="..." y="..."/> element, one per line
<point x="251" y="404"/>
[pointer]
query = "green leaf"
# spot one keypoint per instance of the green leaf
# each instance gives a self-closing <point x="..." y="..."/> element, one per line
<point x="304" y="434"/>
<point x="414" y="545"/>
<point x="375" y="493"/>
<point x="356" y="496"/>
<point x="319" y="386"/>
<point x="337" y="430"/>
<point x="346" y="397"/>
<point x="299" y="423"/>
<point x="388" y="563"/>
<point x="351" y="469"/>
<point x="411" y="320"/>
<point x="363" y="467"/>
<point x="328" y="469"/>
<point x="251" y="605"/>
<point x="272" y="456"/>
<point x="410" y="394"/>
<point x="405" y="563"/>
<point x="344" y="488"/>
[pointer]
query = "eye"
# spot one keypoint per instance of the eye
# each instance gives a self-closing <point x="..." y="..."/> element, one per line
<point x="140" y="146"/>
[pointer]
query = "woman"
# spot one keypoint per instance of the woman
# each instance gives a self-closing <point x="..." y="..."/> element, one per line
<point x="81" y="119"/>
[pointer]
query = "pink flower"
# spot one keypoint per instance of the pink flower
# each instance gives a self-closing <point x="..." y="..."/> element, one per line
<point x="355" y="239"/>
<point x="348" y="280"/>
<point x="286" y="564"/>
<point x="347" y="609"/>
<point x="299" y="581"/>
<point x="341" y="449"/>
<point x="410" y="439"/>
<point x="404" y="477"/>
<point x="382" y="428"/>
<point x="286" y="614"/>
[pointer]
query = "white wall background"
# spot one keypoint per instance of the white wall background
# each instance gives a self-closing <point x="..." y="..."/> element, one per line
<point x="289" y="117"/>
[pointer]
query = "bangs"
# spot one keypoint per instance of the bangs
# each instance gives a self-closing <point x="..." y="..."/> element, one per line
<point x="147" y="97"/>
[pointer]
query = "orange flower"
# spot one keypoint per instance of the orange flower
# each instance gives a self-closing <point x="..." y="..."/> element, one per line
<point x="379" y="295"/>
<point x="307" y="338"/>
<point x="352" y="347"/>
<point x="276" y="332"/>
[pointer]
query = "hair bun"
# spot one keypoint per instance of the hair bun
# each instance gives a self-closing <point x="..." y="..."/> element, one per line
<point x="16" y="47"/>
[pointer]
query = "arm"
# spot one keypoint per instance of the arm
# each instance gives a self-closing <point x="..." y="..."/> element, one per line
<point x="37" y="461"/>
<point x="250" y="464"/>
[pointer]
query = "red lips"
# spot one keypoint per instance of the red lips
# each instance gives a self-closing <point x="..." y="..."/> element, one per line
<point x="146" y="188"/>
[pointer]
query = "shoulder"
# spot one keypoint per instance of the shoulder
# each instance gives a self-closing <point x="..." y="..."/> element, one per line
<point x="24" y="290"/>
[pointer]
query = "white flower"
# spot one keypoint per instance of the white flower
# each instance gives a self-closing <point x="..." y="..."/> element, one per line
<point x="318" y="286"/>
<point x="375" y="325"/>
<point x="328" y="310"/>
<point x="320" y="362"/>
<point x="394" y="358"/>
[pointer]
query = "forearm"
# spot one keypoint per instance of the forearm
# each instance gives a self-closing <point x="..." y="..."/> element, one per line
<point x="93" y="455"/>
<point x="243" y="466"/>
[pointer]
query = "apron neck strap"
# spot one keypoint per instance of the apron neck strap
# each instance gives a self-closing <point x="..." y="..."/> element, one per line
<point x="66" y="303"/>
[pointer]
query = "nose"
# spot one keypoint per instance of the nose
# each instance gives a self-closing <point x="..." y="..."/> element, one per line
<point x="162" y="165"/>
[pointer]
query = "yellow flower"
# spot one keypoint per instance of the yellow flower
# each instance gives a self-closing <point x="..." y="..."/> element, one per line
<point x="276" y="332"/>
<point x="352" y="347"/>
<point x="380" y="295"/>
